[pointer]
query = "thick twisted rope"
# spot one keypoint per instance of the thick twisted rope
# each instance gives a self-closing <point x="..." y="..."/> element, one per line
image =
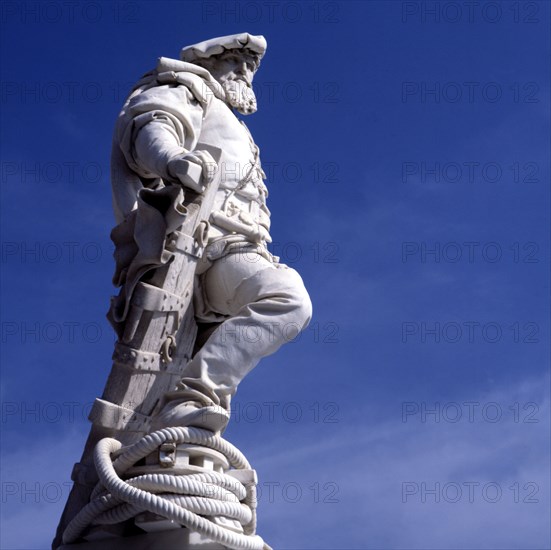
<point x="182" y="499"/>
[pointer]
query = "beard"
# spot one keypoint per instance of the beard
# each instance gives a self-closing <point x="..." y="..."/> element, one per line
<point x="240" y="95"/>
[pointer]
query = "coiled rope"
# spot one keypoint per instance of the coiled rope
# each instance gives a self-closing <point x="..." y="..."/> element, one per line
<point x="183" y="499"/>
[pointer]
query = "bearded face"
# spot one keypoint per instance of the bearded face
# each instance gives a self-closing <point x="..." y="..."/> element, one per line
<point x="235" y="70"/>
<point x="240" y="95"/>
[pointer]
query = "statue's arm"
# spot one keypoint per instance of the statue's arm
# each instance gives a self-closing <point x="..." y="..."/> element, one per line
<point x="160" y="127"/>
<point x="155" y="145"/>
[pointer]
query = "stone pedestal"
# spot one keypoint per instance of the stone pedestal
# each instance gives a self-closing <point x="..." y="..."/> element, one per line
<point x="175" y="539"/>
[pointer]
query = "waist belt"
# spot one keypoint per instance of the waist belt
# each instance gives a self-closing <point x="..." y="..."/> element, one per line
<point x="241" y="223"/>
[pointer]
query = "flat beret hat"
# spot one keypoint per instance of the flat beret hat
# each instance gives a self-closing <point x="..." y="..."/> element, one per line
<point x="215" y="46"/>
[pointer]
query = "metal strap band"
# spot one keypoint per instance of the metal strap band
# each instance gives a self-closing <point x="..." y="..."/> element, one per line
<point x="84" y="475"/>
<point x="136" y="359"/>
<point x="152" y="298"/>
<point x="139" y="361"/>
<point x="184" y="243"/>
<point x="116" y="417"/>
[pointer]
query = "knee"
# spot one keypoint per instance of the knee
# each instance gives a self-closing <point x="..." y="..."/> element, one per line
<point x="277" y="291"/>
<point x="303" y="307"/>
<point x="299" y="302"/>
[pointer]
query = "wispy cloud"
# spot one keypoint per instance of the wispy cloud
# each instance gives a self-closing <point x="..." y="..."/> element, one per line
<point x="359" y="484"/>
<point x="372" y="486"/>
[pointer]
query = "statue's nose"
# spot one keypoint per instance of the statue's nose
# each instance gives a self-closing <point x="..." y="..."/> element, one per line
<point x="243" y="70"/>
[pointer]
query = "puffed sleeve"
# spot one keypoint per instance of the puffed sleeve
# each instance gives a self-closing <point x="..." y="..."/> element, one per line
<point x="158" y="125"/>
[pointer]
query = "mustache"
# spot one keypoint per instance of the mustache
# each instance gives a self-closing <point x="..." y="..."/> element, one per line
<point x="240" y="79"/>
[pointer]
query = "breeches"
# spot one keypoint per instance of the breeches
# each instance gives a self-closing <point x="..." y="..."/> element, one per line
<point x="263" y="306"/>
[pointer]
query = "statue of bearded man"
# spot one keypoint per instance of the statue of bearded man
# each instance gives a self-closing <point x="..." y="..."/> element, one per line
<point x="172" y="118"/>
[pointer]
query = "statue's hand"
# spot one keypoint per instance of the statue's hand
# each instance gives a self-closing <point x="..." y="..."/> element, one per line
<point x="193" y="170"/>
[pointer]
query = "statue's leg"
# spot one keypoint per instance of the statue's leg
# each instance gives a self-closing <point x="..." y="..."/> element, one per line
<point x="267" y="306"/>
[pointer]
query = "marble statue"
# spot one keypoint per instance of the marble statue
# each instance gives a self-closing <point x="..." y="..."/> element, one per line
<point x="239" y="283"/>
<point x="196" y="275"/>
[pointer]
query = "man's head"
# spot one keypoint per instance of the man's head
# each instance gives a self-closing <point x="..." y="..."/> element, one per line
<point x="232" y="61"/>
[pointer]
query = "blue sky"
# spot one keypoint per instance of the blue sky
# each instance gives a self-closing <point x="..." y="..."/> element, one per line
<point x="407" y="151"/>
